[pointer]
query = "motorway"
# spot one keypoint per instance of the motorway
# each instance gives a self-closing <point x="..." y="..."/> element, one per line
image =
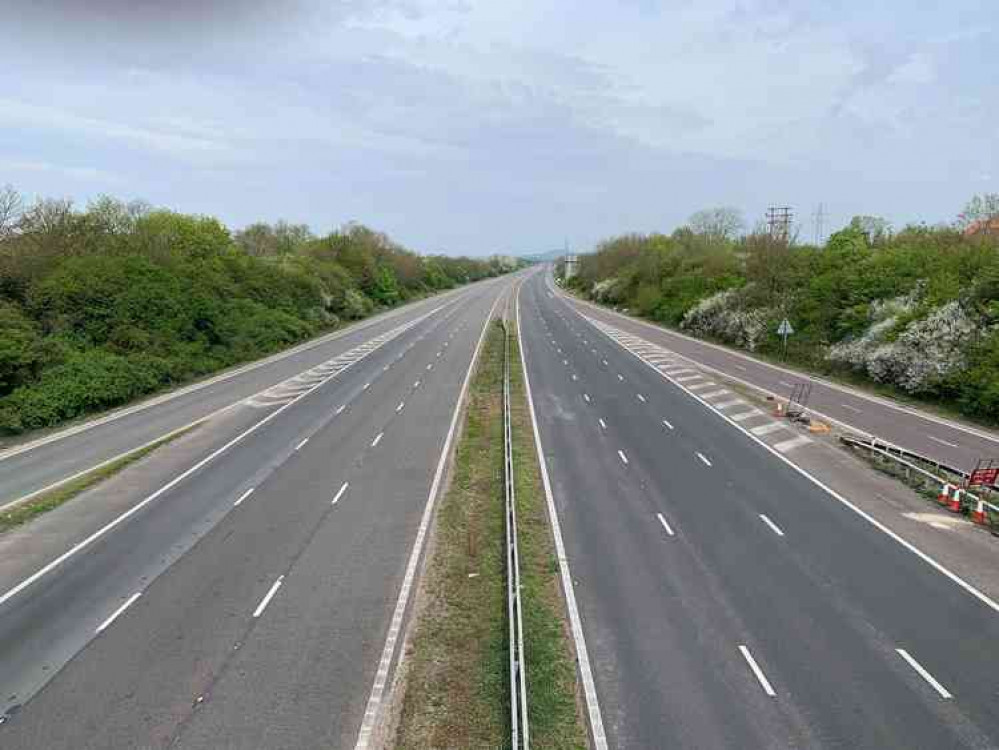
<point x="250" y="600"/>
<point x="34" y="466"/>
<point x="954" y="443"/>
<point x="246" y="588"/>
<point x="726" y="600"/>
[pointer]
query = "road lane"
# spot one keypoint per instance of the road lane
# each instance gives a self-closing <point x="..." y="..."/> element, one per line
<point x="28" y="468"/>
<point x="167" y="665"/>
<point x="822" y="609"/>
<point x="947" y="440"/>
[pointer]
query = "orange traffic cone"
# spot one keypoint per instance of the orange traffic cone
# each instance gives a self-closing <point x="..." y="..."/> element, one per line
<point x="954" y="504"/>
<point x="945" y="492"/>
<point x="978" y="514"/>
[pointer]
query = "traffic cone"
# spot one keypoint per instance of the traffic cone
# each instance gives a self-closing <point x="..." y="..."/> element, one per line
<point x="978" y="514"/>
<point x="944" y="497"/>
<point x="954" y="504"/>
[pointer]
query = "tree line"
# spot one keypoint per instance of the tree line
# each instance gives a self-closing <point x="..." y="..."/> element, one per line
<point x="102" y="305"/>
<point x="914" y="311"/>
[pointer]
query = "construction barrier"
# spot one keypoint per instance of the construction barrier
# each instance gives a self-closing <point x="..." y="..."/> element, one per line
<point x="956" y="500"/>
<point x="945" y="494"/>
<point x="978" y="514"/>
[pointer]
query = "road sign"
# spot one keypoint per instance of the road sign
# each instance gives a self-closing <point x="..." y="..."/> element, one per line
<point x="986" y="476"/>
<point x="785" y="328"/>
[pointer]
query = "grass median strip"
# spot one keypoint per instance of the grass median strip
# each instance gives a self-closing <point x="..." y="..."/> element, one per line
<point x="36" y="506"/>
<point x="457" y="689"/>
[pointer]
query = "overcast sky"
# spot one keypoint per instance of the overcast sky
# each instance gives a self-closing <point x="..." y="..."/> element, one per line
<point x="510" y="125"/>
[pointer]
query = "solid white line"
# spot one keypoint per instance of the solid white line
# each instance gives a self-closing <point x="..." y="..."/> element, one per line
<point x="703" y="458"/>
<point x="339" y="494"/>
<point x="640" y="397"/>
<point x="582" y="655"/>
<point x="665" y="525"/>
<point x="752" y="435"/>
<point x="114" y="615"/>
<point x="624" y="458"/>
<point x="941" y="690"/>
<point x="243" y="497"/>
<point x="773" y="527"/>
<point x="378" y="439"/>
<point x="400" y="407"/>
<point x="267" y="598"/>
<point x="764" y="682"/>
<point x="340" y="408"/>
<point x="374" y="704"/>
<point x="667" y="424"/>
<point x="304" y="441"/>
<point x="603" y="424"/>
<point x="943" y="442"/>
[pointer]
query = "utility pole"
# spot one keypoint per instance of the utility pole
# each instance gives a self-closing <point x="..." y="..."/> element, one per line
<point x="820" y="219"/>
<point x="779" y="223"/>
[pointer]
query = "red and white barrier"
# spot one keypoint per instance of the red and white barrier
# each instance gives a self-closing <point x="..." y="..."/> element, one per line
<point x="978" y="514"/>
<point x="956" y="498"/>
<point x="945" y="494"/>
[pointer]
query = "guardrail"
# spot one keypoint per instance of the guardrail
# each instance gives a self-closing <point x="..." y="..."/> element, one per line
<point x="958" y="500"/>
<point x="520" y="735"/>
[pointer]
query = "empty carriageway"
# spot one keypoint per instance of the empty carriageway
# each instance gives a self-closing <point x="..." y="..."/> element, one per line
<point x="266" y="581"/>
<point x="727" y="600"/>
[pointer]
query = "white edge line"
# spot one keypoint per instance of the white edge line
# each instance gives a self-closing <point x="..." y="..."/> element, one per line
<point x="114" y="615"/>
<point x="267" y="597"/>
<point x="373" y="706"/>
<point x="339" y="494"/>
<point x="582" y="655"/>
<point x="773" y="527"/>
<point x="49" y="567"/>
<point x="243" y="497"/>
<point x="921" y="670"/>
<point x="982" y="597"/>
<point x="666" y="526"/>
<point x="764" y="682"/>
<point x="377" y="440"/>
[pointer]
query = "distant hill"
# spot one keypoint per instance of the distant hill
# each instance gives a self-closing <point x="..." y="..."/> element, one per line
<point x="543" y="257"/>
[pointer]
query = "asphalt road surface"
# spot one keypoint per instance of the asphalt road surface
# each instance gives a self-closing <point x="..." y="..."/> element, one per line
<point x="247" y="604"/>
<point x="728" y="601"/>
<point x="27" y="468"/>
<point x="954" y="443"/>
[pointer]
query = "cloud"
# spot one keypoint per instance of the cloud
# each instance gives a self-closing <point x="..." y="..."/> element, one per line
<point x="457" y="122"/>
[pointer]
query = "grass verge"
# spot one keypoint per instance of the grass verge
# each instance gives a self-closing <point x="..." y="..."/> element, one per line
<point x="457" y="690"/>
<point x="31" y="509"/>
<point x="555" y="713"/>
